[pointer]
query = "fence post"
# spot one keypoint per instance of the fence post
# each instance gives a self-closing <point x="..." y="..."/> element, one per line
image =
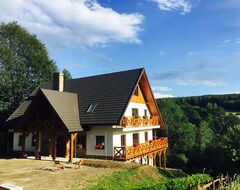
<point x="198" y="187"/>
<point x="213" y="184"/>
<point x="189" y="187"/>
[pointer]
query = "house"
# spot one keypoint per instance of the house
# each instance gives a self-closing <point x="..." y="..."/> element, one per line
<point x="109" y="116"/>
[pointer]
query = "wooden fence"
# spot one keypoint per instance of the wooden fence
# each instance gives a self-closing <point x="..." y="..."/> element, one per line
<point x="214" y="184"/>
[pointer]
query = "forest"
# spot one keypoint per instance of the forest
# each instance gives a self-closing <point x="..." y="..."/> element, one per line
<point x="203" y="133"/>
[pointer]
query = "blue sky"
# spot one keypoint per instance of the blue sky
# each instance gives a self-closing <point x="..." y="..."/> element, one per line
<point x="187" y="47"/>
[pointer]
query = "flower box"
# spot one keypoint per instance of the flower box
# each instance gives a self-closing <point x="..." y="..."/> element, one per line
<point x="135" y="144"/>
<point x="99" y="146"/>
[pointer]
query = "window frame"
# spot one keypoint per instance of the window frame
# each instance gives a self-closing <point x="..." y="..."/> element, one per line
<point x="123" y="140"/>
<point x="135" y="112"/>
<point x="20" y="139"/>
<point x="91" y="108"/>
<point x="100" y="142"/>
<point x="146" y="136"/>
<point x="136" y="138"/>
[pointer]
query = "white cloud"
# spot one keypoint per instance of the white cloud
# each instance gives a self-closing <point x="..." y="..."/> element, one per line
<point x="161" y="88"/>
<point x="226" y="41"/>
<point x="162" y="53"/>
<point x="77" y="23"/>
<point x="159" y="95"/>
<point x="168" y="5"/>
<point x="238" y="41"/>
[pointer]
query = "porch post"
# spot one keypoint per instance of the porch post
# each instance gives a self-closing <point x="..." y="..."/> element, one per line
<point x="72" y="138"/>
<point x="23" y="144"/>
<point x="50" y="147"/>
<point x="54" y="148"/>
<point x="37" y="145"/>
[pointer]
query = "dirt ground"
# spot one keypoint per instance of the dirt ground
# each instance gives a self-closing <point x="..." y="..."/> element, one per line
<point x="42" y="174"/>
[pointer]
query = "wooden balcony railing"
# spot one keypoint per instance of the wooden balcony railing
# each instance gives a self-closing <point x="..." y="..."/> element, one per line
<point x="130" y="152"/>
<point x="140" y="121"/>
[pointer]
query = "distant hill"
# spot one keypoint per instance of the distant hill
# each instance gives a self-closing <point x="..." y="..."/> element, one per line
<point x="229" y="102"/>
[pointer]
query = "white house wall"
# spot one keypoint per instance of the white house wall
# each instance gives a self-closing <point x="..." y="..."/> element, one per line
<point x="28" y="143"/>
<point x="107" y="132"/>
<point x="140" y="107"/>
<point x="129" y="137"/>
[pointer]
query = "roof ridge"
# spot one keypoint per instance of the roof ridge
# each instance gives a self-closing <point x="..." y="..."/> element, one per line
<point x="105" y="74"/>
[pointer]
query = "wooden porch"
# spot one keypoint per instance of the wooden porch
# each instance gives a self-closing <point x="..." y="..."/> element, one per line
<point x="151" y="148"/>
<point x="140" y="121"/>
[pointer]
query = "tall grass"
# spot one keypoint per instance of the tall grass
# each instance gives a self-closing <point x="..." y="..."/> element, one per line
<point x="233" y="183"/>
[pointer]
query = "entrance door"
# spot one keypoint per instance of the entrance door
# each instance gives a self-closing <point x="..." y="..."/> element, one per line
<point x="61" y="146"/>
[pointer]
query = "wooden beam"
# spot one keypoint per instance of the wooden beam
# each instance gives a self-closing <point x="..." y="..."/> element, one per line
<point x="37" y="145"/>
<point x="67" y="148"/>
<point x="72" y="138"/>
<point x="165" y="158"/>
<point x="50" y="147"/>
<point x="160" y="159"/>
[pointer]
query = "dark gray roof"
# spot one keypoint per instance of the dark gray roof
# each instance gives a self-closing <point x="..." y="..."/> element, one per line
<point x="17" y="115"/>
<point x="111" y="92"/>
<point x="65" y="105"/>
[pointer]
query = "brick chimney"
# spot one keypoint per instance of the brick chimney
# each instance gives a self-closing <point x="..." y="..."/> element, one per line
<point x="58" y="81"/>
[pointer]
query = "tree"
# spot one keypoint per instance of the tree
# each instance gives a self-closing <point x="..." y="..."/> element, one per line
<point x="67" y="74"/>
<point x="24" y="64"/>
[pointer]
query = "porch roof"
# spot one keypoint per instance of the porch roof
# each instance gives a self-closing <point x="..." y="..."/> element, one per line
<point x="65" y="105"/>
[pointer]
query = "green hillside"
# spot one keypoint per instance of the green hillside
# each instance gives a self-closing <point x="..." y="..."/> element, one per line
<point x="147" y="177"/>
<point x="203" y="133"/>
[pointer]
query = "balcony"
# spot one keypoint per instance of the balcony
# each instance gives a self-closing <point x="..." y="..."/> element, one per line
<point x="140" y="121"/>
<point x="131" y="152"/>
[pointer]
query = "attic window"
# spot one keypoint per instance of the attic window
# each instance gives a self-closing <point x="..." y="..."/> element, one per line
<point x="91" y="108"/>
<point x="136" y="91"/>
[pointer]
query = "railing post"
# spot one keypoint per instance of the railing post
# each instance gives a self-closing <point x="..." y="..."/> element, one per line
<point x="189" y="187"/>
<point x="213" y="184"/>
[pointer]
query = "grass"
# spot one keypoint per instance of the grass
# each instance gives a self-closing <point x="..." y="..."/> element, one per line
<point x="233" y="183"/>
<point x="134" y="176"/>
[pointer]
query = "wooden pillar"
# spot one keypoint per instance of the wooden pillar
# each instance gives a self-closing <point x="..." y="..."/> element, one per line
<point x="67" y="148"/>
<point x="54" y="148"/>
<point x="50" y="147"/>
<point x="160" y="159"/>
<point x="165" y="160"/>
<point x="71" y="152"/>
<point x="154" y="159"/>
<point x="37" y="145"/>
<point x="23" y="144"/>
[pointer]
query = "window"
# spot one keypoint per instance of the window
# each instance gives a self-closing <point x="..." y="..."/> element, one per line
<point x="145" y="112"/>
<point x="134" y="112"/>
<point x="123" y="140"/>
<point x="100" y="142"/>
<point x="135" y="138"/>
<point x="81" y="140"/>
<point x="146" y="136"/>
<point x="33" y="140"/>
<point x="20" y="140"/>
<point x="91" y="108"/>
<point x="136" y="91"/>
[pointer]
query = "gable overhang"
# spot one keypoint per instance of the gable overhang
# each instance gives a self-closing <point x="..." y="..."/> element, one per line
<point x="39" y="97"/>
<point x="151" y="103"/>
